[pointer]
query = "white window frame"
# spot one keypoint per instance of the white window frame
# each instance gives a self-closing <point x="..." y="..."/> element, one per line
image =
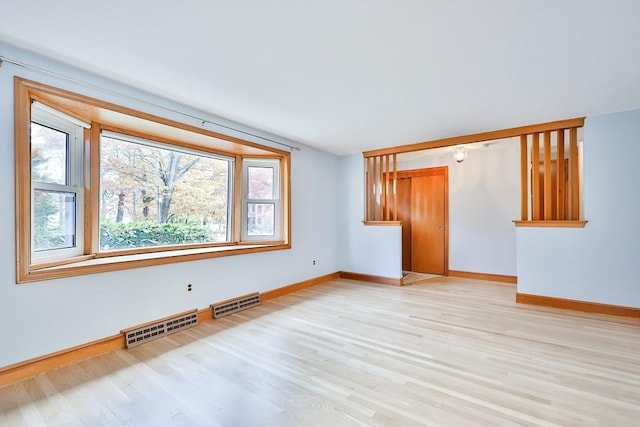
<point x="46" y="116"/>
<point x="277" y="215"/>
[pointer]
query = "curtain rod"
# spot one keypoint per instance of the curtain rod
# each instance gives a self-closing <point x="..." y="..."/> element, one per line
<point x="113" y="92"/>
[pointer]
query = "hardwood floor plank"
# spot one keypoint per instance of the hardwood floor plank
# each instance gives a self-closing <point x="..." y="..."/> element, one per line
<point x="348" y="353"/>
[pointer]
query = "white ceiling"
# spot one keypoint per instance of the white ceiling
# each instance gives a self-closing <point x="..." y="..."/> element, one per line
<point x="351" y="76"/>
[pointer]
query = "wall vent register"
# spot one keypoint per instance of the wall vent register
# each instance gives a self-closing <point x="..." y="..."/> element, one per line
<point x="235" y="305"/>
<point x="151" y="331"/>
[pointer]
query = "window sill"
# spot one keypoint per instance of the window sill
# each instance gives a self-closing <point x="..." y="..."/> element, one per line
<point x="550" y="224"/>
<point x="85" y="266"/>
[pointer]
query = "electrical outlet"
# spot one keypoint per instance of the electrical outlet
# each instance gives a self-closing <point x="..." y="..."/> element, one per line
<point x="313" y="262"/>
<point x="189" y="287"/>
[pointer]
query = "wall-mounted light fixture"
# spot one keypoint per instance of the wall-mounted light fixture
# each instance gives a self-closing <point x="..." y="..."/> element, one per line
<point x="460" y="154"/>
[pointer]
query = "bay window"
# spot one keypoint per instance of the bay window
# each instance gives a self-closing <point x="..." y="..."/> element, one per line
<point x="101" y="187"/>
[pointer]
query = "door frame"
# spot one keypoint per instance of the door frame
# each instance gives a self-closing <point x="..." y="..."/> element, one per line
<point x="438" y="170"/>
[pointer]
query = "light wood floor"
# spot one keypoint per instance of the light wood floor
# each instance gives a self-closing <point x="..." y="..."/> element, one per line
<point x="453" y="352"/>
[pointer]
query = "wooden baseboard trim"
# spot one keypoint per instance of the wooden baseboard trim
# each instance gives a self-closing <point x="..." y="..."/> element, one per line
<point x="32" y="367"/>
<point x="483" y="276"/>
<point x="205" y="314"/>
<point x="275" y="293"/>
<point x="576" y="305"/>
<point x="369" y="278"/>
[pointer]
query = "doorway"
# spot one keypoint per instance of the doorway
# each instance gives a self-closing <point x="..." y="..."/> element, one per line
<point x="423" y="208"/>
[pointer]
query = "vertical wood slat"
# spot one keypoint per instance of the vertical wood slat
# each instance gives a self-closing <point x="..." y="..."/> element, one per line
<point x="548" y="196"/>
<point x="381" y="174"/>
<point x="368" y="192"/>
<point x="376" y="188"/>
<point x="560" y="178"/>
<point x="575" y="176"/>
<point x="383" y="205"/>
<point x="395" y="187"/>
<point x="387" y="183"/>
<point x="535" y="177"/>
<point x="378" y="207"/>
<point x="524" y="179"/>
<point x="366" y="189"/>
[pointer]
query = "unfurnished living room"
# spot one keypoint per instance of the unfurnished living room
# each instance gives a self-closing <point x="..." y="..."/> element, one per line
<point x="320" y="213"/>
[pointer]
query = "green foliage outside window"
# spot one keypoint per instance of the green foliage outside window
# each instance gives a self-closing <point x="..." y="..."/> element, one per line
<point x="135" y="234"/>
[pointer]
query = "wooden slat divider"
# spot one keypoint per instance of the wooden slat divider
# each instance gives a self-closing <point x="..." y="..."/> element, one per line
<point x="376" y="186"/>
<point x="548" y="196"/>
<point x="575" y="175"/>
<point x="535" y="177"/>
<point x="395" y="187"/>
<point x="549" y="179"/>
<point x="385" y="177"/>
<point x="367" y="188"/>
<point x="378" y="189"/>
<point x="560" y="178"/>
<point x="524" y="178"/>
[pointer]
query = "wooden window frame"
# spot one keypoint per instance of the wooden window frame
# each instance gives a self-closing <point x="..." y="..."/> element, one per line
<point x="108" y="116"/>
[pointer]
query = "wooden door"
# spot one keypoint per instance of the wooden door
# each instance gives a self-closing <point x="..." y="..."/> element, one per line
<point x="428" y="224"/>
<point x="404" y="215"/>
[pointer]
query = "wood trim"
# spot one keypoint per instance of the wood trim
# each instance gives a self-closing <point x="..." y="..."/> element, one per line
<point x="101" y="265"/>
<point x="382" y="223"/>
<point x="92" y="198"/>
<point x="395" y="187"/>
<point x="434" y="171"/>
<point x="548" y="195"/>
<point x="374" y="183"/>
<point x="236" y="220"/>
<point x="576" y="305"/>
<point x="70" y="101"/>
<point x="205" y="314"/>
<point x="22" y="118"/>
<point x="574" y="168"/>
<point x="483" y="276"/>
<point x="551" y="224"/>
<point x="384" y="179"/>
<point x="286" y="173"/>
<point x="410" y="173"/>
<point x="524" y="178"/>
<point x="536" y="214"/>
<point x="446" y="220"/>
<point x="367" y="189"/>
<point x="370" y="278"/>
<point x="560" y="177"/>
<point x="278" y="292"/>
<point x="479" y="137"/>
<point x="38" y="365"/>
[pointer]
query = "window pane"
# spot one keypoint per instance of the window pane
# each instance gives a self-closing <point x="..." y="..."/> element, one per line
<point x="48" y="154"/>
<point x="54" y="220"/>
<point x="261" y="219"/>
<point x="153" y="196"/>
<point x="260" y="183"/>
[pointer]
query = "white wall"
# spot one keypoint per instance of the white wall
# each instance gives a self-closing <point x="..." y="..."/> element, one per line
<point x="601" y="262"/>
<point x="484" y="199"/>
<point x="43" y="317"/>
<point x="375" y="250"/>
